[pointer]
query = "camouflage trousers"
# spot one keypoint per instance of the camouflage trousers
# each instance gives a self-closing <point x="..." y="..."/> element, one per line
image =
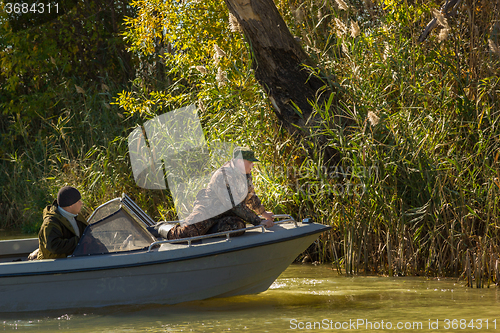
<point x="209" y="226"/>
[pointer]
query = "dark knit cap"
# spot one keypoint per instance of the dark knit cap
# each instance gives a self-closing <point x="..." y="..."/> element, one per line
<point x="67" y="196"/>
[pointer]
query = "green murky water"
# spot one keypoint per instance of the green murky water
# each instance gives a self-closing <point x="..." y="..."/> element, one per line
<point x="304" y="298"/>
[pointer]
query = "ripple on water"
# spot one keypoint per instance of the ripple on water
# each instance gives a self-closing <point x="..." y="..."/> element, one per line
<point x="302" y="293"/>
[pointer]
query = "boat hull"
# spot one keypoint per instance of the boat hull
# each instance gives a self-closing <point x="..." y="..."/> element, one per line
<point x="172" y="274"/>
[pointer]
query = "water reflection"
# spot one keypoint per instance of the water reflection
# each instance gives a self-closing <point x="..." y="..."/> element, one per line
<point x="14" y="234"/>
<point x="303" y="295"/>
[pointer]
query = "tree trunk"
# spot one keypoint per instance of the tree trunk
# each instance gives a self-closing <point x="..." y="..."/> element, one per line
<point x="278" y="61"/>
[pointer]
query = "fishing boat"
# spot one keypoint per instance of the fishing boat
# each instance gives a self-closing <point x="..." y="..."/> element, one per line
<point x="119" y="262"/>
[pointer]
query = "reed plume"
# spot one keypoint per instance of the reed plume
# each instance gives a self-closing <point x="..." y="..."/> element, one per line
<point x="342" y="5"/>
<point x="219" y="52"/>
<point x="341" y="27"/>
<point x="202" y="69"/>
<point x="355" y="31"/>
<point x="493" y="46"/>
<point x="221" y="77"/>
<point x="234" y="25"/>
<point x="373" y="118"/>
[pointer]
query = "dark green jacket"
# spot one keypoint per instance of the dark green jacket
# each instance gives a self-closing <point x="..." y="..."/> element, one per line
<point x="57" y="238"/>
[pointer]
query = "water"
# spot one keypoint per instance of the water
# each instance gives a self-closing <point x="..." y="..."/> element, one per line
<point x="304" y="298"/>
<point x="14" y="234"/>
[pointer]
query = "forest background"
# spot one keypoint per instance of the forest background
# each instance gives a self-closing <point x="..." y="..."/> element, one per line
<point x="415" y="190"/>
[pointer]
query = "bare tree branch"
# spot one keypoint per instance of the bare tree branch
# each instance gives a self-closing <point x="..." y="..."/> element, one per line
<point x="449" y="9"/>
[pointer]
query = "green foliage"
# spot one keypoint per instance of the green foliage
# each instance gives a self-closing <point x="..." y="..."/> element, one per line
<point x="201" y="59"/>
<point x="56" y="123"/>
<point x="189" y="54"/>
<point x="42" y="61"/>
<point x="86" y="146"/>
<point x="412" y="193"/>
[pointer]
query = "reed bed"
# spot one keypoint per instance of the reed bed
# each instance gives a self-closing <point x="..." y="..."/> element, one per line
<point x="84" y="146"/>
<point x="417" y="189"/>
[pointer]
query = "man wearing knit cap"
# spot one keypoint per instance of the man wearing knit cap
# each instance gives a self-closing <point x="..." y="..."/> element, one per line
<point x="62" y="226"/>
<point x="228" y="202"/>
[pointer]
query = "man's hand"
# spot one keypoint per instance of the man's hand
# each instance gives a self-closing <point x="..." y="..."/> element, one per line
<point x="269" y="220"/>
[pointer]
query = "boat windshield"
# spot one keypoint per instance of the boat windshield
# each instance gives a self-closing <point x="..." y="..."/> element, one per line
<point x="117" y="232"/>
